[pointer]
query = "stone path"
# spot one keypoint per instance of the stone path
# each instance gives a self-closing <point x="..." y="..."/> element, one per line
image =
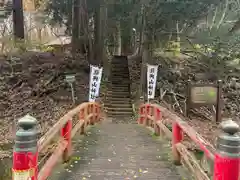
<point x="119" y="152"/>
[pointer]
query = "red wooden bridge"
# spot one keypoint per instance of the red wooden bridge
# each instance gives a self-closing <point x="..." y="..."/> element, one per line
<point x="84" y="144"/>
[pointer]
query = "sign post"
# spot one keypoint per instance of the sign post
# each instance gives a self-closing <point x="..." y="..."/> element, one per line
<point x="70" y="79"/>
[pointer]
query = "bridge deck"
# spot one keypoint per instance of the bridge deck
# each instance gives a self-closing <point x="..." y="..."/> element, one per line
<point x="118" y="152"/>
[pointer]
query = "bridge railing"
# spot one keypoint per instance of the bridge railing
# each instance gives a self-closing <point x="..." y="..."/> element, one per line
<point x="25" y="160"/>
<point x="226" y="158"/>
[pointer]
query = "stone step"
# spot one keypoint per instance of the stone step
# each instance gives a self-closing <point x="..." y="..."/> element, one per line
<point x="117" y="85"/>
<point x="119" y="109"/>
<point x="120" y="116"/>
<point x="114" y="88"/>
<point x="114" y="79"/>
<point x="117" y="105"/>
<point x="119" y="61"/>
<point x="114" y="98"/>
<point x="119" y="64"/>
<point x="109" y="96"/>
<point x="120" y="78"/>
<point x="120" y="70"/>
<point x="118" y="101"/>
<point x="120" y="81"/>
<point x="119" y="75"/>
<point x="122" y="91"/>
<point x="124" y="103"/>
<point x="118" y="89"/>
<point x="120" y="113"/>
<point x="114" y="83"/>
<point x="118" y="93"/>
<point x="120" y="85"/>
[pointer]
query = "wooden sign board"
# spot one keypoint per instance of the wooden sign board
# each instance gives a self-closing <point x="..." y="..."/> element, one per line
<point x="204" y="95"/>
<point x="70" y="78"/>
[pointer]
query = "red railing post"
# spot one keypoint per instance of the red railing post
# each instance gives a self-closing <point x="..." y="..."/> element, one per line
<point x="66" y="134"/>
<point x="177" y="138"/>
<point x="227" y="158"/>
<point x="25" y="153"/>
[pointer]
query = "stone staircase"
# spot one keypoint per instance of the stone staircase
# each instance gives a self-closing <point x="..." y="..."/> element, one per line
<point x="118" y="101"/>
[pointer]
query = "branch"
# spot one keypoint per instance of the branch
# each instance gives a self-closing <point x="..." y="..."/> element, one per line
<point x="223" y="15"/>
<point x="214" y="18"/>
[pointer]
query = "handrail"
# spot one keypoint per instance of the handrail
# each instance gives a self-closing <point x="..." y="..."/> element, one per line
<point x="205" y="146"/>
<point x="153" y="115"/>
<point x="88" y="113"/>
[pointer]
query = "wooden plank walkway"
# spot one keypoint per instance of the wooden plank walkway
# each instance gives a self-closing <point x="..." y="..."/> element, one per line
<point x="119" y="152"/>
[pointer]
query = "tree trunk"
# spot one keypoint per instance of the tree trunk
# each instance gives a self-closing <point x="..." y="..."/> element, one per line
<point x="118" y="40"/>
<point x="75" y="25"/>
<point x="145" y="59"/>
<point x="105" y="60"/>
<point x="97" y="34"/>
<point x="140" y="50"/>
<point x="144" y="53"/>
<point x="18" y="20"/>
<point x="126" y="38"/>
<point x="89" y="40"/>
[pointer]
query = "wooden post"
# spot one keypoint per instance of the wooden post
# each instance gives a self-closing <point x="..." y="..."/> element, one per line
<point x="188" y="102"/>
<point x="177" y="138"/>
<point x="219" y="102"/>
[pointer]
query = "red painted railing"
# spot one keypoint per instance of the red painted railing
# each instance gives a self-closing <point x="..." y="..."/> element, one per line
<point x="226" y="167"/>
<point x="26" y="164"/>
